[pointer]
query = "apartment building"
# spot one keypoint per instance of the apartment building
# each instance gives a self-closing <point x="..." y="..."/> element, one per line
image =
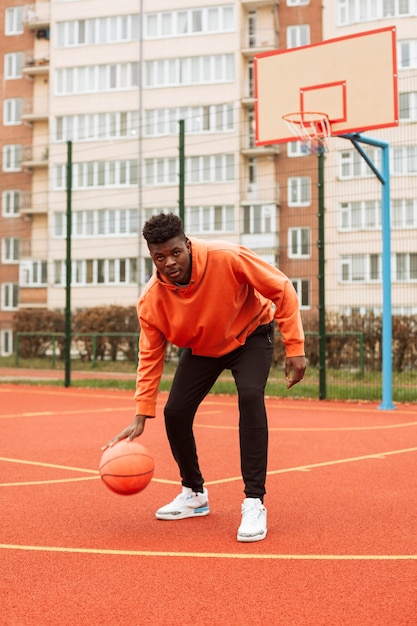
<point x="16" y="183"/>
<point x="106" y="87"/>
<point x="354" y="194"/>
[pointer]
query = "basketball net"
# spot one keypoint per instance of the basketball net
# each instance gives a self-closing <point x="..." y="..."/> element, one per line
<point x="312" y="129"/>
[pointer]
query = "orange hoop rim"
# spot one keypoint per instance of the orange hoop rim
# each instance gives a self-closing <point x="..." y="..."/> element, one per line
<point x="312" y="128"/>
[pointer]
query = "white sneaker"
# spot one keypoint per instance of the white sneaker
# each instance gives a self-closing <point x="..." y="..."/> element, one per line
<point x="187" y="504"/>
<point x="253" y="525"/>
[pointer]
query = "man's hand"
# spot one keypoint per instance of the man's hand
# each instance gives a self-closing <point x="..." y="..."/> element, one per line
<point x="130" y="432"/>
<point x="298" y="366"/>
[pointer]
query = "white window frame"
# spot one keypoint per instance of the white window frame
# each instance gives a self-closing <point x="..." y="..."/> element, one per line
<point x="190" y="22"/>
<point x="360" y="268"/>
<point x="12" y="111"/>
<point x="13" y="23"/>
<point x="297" y="243"/>
<point x="210" y="219"/>
<point x="10" y="250"/>
<point x="299" y="191"/>
<point x="185" y="71"/>
<point x="404" y="160"/>
<point x="258" y="219"/>
<point x="360" y="215"/>
<point x="13" y="63"/>
<point x="404" y="213"/>
<point x="33" y="273"/>
<point x="11" y="202"/>
<point x="298" y="35"/>
<point x="353" y="165"/>
<point x="407" y="54"/>
<point x="299" y="285"/>
<point x="408" y="106"/>
<point x="9" y="296"/>
<point x="355" y="11"/>
<point x="6" y="342"/>
<point x="12" y="158"/>
<point x="404" y="266"/>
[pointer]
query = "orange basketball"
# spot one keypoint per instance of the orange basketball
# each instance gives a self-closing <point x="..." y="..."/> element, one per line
<point x="127" y="467"/>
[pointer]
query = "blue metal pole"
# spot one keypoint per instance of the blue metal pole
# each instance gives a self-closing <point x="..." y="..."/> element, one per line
<point x="386" y="287"/>
<point x="384" y="177"/>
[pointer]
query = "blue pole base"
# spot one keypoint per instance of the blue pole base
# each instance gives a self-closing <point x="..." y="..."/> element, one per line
<point x="387" y="406"/>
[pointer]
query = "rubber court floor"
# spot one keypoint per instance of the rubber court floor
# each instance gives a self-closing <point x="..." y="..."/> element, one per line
<point x="342" y="518"/>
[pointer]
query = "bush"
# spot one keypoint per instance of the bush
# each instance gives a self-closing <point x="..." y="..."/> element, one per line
<point x="106" y="320"/>
<point x="35" y="321"/>
<point x="343" y="342"/>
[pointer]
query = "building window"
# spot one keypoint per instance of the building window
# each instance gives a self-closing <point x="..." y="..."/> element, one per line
<point x="295" y="149"/>
<point x="98" y="222"/>
<point x="202" y="119"/>
<point x="112" y="29"/>
<point x="298" y="243"/>
<point x="12" y="157"/>
<point x="98" y="272"/>
<point x="14" y="21"/>
<point x="12" y="111"/>
<point x="6" y="342"/>
<point x="299" y="191"/>
<point x="298" y="35"/>
<point x="10" y="249"/>
<point x="216" y="19"/>
<point x="97" y="126"/>
<point x="9" y="296"/>
<point x="361" y="215"/>
<point x="33" y="274"/>
<point x="405" y="266"/>
<point x="302" y="287"/>
<point x="199" y="70"/>
<point x="13" y="63"/>
<point x="353" y="11"/>
<point x="96" y="78"/>
<point x="353" y="165"/>
<point x="97" y="174"/>
<point x="10" y="203"/>
<point x="360" y="268"/>
<point x="210" y="219"/>
<point x="407" y="54"/>
<point x="404" y="213"/>
<point x="408" y="106"/>
<point x="404" y="160"/>
<point x="259" y="219"/>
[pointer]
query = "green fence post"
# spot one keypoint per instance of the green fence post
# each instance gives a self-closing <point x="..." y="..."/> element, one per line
<point x="361" y="354"/>
<point x="16" y="350"/>
<point x="94" y="349"/>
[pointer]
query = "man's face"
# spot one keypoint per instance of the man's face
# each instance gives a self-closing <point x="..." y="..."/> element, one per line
<point x="172" y="259"/>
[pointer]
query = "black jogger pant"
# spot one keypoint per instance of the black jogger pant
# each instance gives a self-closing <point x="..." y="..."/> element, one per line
<point x="195" y="376"/>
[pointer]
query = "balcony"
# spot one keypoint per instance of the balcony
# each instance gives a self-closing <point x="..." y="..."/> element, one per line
<point x="34" y="66"/>
<point x="35" y="110"/>
<point x="253" y="4"/>
<point x="259" y="42"/>
<point x="34" y="204"/>
<point x="34" y="157"/>
<point x="265" y="194"/>
<point x="252" y="150"/>
<point x="37" y="17"/>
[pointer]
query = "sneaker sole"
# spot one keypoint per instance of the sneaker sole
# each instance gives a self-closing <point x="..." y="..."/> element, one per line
<point x="199" y="512"/>
<point x="250" y="538"/>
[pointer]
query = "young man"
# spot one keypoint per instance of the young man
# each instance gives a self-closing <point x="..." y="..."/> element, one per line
<point x="215" y="300"/>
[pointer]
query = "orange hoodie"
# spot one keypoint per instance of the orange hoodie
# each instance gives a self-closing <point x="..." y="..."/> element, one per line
<point x="230" y="294"/>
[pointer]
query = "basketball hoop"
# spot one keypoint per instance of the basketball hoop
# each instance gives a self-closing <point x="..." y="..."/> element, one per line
<point x="312" y="129"/>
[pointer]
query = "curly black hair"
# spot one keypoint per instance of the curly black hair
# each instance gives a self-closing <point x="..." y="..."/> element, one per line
<point x="162" y="227"/>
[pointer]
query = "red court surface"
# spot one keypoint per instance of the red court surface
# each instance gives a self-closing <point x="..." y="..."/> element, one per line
<point x="342" y="518"/>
